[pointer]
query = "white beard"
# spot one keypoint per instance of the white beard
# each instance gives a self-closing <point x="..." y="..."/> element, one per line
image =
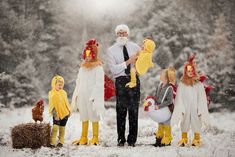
<point x="122" y="40"/>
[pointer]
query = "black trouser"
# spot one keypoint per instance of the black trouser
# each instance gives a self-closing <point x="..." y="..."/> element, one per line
<point x="61" y="122"/>
<point x="127" y="100"/>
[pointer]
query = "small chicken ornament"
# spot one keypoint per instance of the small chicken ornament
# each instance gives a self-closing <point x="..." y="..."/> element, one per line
<point x="37" y="111"/>
<point x="143" y="62"/>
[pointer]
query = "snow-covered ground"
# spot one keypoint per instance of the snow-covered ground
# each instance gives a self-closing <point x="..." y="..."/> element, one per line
<point x="218" y="140"/>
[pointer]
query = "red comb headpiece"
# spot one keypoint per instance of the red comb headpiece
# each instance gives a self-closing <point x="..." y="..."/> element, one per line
<point x="92" y="42"/>
<point x="89" y="45"/>
<point x="191" y="59"/>
<point x="190" y="64"/>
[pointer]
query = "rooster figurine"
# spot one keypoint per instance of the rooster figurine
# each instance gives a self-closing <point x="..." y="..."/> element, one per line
<point x="37" y="111"/>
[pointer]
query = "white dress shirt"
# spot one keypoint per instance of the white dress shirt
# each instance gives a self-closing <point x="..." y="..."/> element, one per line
<point x="116" y="62"/>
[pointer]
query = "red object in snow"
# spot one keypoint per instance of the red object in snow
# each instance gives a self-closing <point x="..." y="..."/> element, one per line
<point x="207" y="88"/>
<point x="109" y="88"/>
<point x="202" y="78"/>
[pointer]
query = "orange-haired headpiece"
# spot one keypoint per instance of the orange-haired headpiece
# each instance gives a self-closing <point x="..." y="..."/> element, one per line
<point x="190" y="65"/>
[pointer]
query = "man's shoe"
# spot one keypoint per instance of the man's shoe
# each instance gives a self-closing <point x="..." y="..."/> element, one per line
<point x="121" y="144"/>
<point x="131" y="144"/>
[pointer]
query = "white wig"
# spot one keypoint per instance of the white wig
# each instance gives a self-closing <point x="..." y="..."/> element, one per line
<point x="122" y="27"/>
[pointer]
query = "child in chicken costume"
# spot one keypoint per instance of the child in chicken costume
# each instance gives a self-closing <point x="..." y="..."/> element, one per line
<point x="159" y="108"/>
<point x="143" y="62"/>
<point x="190" y="104"/>
<point x="88" y="96"/>
<point x="59" y="108"/>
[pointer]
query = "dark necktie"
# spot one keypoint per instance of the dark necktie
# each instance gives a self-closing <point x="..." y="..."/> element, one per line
<point x="126" y="57"/>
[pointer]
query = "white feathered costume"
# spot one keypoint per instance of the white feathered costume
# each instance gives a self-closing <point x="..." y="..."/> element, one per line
<point x="190" y="102"/>
<point x="190" y="107"/>
<point x="88" y="96"/>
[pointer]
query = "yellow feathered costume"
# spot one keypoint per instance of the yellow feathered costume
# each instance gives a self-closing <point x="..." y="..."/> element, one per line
<point x="144" y="61"/>
<point x="58" y="100"/>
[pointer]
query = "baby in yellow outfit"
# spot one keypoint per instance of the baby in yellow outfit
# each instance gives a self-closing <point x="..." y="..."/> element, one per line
<point x="143" y="62"/>
<point x="59" y="108"/>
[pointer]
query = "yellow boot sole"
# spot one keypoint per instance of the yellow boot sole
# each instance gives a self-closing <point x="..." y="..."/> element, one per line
<point x="82" y="141"/>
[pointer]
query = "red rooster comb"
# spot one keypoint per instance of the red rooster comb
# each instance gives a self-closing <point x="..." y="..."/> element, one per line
<point x="40" y="102"/>
<point x="92" y="42"/>
<point x="90" y="47"/>
<point x="191" y="58"/>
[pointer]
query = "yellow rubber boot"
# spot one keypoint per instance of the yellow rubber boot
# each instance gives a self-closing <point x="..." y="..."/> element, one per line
<point x="132" y="84"/>
<point x="53" y="135"/>
<point x="95" y="130"/>
<point x="83" y="140"/>
<point x="184" y="141"/>
<point x="166" y="140"/>
<point x="159" y="135"/>
<point x="196" y="141"/>
<point x="61" y="135"/>
<point x="160" y="131"/>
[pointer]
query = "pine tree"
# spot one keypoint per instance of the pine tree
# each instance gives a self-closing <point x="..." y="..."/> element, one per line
<point x="220" y="60"/>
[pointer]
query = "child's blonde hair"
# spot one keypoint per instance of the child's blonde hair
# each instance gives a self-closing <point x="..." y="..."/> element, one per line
<point x="170" y="74"/>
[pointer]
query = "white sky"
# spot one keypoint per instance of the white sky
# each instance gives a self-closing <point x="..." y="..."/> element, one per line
<point x="101" y="8"/>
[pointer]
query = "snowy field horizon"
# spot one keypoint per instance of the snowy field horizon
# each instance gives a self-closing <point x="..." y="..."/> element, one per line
<point x="218" y="139"/>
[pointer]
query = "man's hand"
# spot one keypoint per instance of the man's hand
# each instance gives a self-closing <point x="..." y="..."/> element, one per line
<point x="131" y="60"/>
